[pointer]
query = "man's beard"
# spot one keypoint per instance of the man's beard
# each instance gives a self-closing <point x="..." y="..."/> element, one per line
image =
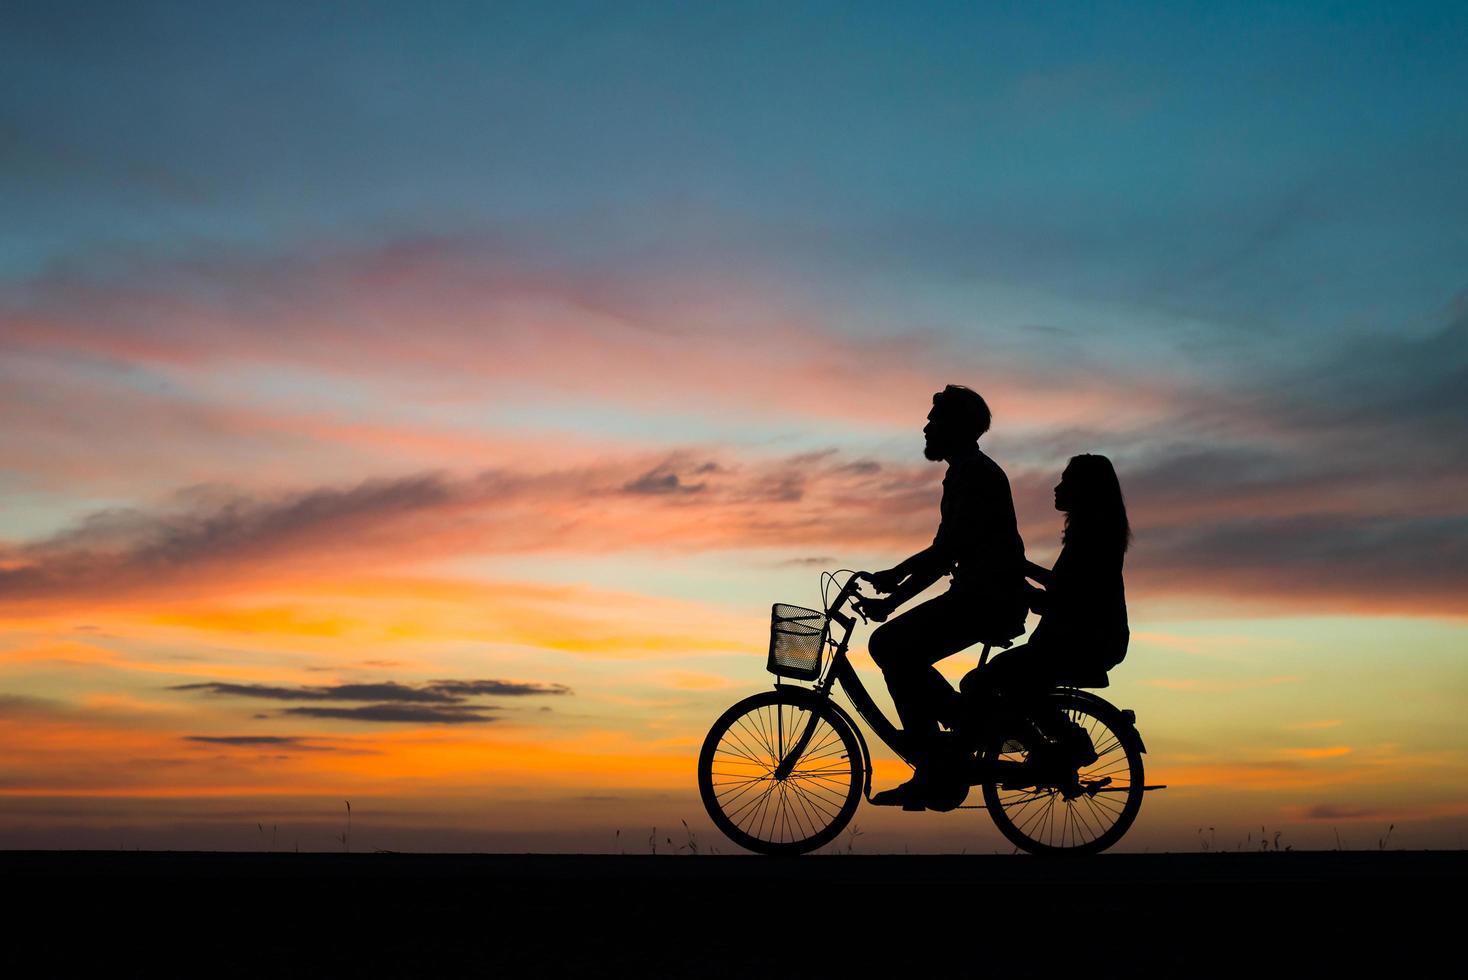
<point x="932" y="452"/>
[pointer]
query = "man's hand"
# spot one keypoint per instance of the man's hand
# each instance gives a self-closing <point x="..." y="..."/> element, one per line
<point x="877" y="610"/>
<point x="886" y="582"/>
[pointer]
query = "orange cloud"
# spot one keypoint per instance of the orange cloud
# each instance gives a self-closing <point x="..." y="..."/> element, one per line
<point x="1326" y="752"/>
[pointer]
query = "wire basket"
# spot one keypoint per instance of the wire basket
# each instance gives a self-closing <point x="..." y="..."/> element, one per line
<point x="797" y="642"/>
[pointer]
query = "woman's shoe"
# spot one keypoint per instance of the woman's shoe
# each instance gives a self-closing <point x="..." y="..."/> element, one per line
<point x="1075" y="742"/>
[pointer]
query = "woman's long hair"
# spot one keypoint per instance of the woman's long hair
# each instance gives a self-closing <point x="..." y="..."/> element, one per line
<point x="1098" y="512"/>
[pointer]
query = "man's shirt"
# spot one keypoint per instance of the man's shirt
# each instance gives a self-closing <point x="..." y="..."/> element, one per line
<point x="978" y="537"/>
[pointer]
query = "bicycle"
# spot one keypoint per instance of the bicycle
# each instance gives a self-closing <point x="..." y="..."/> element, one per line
<point x="784" y="771"/>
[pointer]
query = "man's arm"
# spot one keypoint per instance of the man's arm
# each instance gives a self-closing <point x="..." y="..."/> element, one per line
<point x="927" y="561"/>
<point x="903" y="581"/>
<point x="915" y="583"/>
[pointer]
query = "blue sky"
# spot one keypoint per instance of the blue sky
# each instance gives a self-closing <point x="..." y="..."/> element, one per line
<point x="1254" y="166"/>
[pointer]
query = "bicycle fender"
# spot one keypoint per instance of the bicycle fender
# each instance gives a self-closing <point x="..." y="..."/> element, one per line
<point x="1122" y="717"/>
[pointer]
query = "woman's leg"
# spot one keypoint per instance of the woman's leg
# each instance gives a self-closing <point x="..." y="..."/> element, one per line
<point x="1009" y="679"/>
<point x="1018" y="680"/>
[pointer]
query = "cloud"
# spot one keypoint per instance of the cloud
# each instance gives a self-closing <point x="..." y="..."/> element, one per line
<point x="291" y="742"/>
<point x="342" y="692"/>
<point x="420" y="714"/>
<point x="21" y="706"/>
<point x="453" y="316"/>
<point x="497" y="688"/>
<point x="1323" y="489"/>
<point x="1399" y="812"/>
<point x="1224" y="525"/>
<point x="1337" y="487"/>
<point x="218" y="532"/>
<point x="436" y="702"/>
<point x="435" y="692"/>
<point x="1317" y="752"/>
<point x="661" y="481"/>
<point x="1345" y="563"/>
<point x="119" y="547"/>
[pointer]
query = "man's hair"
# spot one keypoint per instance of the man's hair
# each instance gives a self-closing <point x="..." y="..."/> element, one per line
<point x="967" y="409"/>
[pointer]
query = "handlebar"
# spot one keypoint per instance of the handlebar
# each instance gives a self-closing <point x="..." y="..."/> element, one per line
<point x="851" y="590"/>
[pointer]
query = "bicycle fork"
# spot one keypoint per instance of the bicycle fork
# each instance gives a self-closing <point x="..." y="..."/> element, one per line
<point x="787" y="764"/>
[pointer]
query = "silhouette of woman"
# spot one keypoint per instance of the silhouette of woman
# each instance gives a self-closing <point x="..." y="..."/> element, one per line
<point x="1083" y="625"/>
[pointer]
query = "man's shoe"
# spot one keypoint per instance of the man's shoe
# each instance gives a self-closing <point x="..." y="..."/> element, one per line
<point x="909" y="796"/>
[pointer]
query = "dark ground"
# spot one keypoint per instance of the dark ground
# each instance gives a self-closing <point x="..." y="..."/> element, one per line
<point x="122" y="913"/>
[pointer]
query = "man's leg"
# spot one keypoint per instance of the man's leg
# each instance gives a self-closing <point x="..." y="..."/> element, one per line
<point x="906" y="649"/>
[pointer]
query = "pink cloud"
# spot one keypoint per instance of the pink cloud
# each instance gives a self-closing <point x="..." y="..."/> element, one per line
<point x="451" y="321"/>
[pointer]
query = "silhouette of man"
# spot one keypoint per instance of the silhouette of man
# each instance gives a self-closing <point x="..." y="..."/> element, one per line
<point x="978" y="544"/>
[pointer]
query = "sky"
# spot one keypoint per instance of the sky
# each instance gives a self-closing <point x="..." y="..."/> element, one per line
<point x="420" y="407"/>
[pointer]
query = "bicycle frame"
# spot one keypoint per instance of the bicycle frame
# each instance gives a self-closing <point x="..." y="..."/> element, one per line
<point x="842" y="672"/>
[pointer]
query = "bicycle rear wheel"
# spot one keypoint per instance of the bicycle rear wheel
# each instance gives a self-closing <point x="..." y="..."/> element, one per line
<point x="736" y="773"/>
<point x="1078" y="810"/>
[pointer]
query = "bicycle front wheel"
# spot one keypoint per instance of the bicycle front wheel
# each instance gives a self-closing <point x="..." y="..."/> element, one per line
<point x="736" y="773"/>
<point x="1079" y="810"/>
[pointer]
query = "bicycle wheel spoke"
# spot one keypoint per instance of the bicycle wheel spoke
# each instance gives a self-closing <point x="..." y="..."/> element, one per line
<point x="754" y="748"/>
<point x="750" y="795"/>
<point x="743" y="753"/>
<point x="767" y="729"/>
<point x="827" y="805"/>
<point x="1103" y="818"/>
<point x="829" y="780"/>
<point x="1086" y="809"/>
<point x="736" y="779"/>
<point x="751" y="806"/>
<point x="1037" y="816"/>
<point x="820" y="816"/>
<point x="745" y="741"/>
<point x="792" y="815"/>
<point x="740" y="756"/>
<point x="1093" y="830"/>
<point x="804" y="810"/>
<point x="757" y="797"/>
<point x="737" y="788"/>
